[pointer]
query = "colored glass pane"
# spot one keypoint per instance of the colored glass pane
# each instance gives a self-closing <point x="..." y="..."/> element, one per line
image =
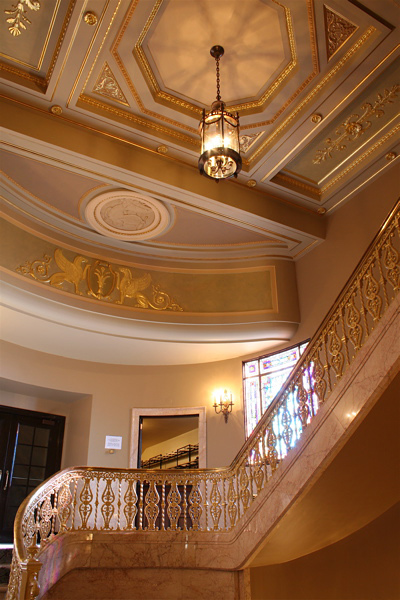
<point x="281" y="360"/>
<point x="251" y="368"/>
<point x="253" y="408"/>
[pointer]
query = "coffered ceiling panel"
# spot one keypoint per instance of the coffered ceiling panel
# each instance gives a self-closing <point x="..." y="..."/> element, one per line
<point x="101" y="102"/>
<point x="293" y="69"/>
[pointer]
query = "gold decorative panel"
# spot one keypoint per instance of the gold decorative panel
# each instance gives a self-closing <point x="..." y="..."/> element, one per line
<point x="356" y="124"/>
<point x="99" y="279"/>
<point x="17" y="15"/>
<point x="96" y="279"/>
<point x="368" y="122"/>
<point x="108" y="86"/>
<point x="337" y="30"/>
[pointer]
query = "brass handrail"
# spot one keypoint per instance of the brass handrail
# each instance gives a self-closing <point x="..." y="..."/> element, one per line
<point x="89" y="498"/>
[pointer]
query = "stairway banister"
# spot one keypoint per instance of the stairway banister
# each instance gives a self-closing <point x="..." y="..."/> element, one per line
<point x="298" y="369"/>
<point x="218" y="498"/>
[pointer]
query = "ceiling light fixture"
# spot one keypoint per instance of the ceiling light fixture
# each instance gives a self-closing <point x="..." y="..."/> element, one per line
<point x="219" y="129"/>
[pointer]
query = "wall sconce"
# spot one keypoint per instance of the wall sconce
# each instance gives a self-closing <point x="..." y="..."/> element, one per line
<point x="224" y="405"/>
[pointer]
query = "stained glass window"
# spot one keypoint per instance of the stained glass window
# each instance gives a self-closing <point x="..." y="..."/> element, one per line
<point x="263" y="378"/>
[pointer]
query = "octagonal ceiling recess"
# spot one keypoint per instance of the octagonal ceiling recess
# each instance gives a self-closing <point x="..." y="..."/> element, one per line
<point x="181" y="62"/>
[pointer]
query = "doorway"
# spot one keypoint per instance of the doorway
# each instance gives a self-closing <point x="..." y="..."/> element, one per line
<point x="30" y="452"/>
<point x="169" y="442"/>
<point x="198" y="413"/>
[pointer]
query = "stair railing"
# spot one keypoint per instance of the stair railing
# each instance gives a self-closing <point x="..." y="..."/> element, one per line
<point x="96" y="499"/>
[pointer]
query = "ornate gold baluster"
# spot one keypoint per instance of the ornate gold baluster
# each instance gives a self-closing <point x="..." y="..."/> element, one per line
<point x="64" y="505"/>
<point x="215" y="510"/>
<point x="29" y="530"/>
<point x="381" y="278"/>
<point x="119" y="488"/>
<point x="374" y="301"/>
<point x="232" y="508"/>
<point x="258" y="469"/>
<point x="335" y="349"/>
<point x="163" y="504"/>
<point x="344" y="337"/>
<point x="318" y="377"/>
<point x="353" y="323"/>
<point x="271" y="444"/>
<point x="46" y="513"/>
<point x="195" y="510"/>
<point x="391" y="262"/>
<point x="174" y="510"/>
<point x="107" y="507"/>
<point x="224" y="503"/>
<point x="206" y="501"/>
<point x="185" y="507"/>
<point x="130" y="500"/>
<point x="287" y="433"/>
<point x="302" y="399"/>
<point x="96" y="503"/>
<point x="151" y="509"/>
<point x="244" y="488"/>
<point x="141" y="506"/>
<point x="85" y="505"/>
<point x="74" y="503"/>
<point x="328" y="375"/>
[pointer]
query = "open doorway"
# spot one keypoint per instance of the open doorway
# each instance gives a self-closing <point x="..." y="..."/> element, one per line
<point x="168" y="438"/>
<point x="169" y="442"/>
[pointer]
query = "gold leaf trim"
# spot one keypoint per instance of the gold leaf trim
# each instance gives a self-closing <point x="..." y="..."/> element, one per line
<point x="17" y="20"/>
<point x="355" y="125"/>
<point x="337" y="31"/>
<point x="107" y="85"/>
<point x="100" y="280"/>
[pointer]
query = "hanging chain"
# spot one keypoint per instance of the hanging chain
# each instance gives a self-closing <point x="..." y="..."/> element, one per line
<point x="218" y="86"/>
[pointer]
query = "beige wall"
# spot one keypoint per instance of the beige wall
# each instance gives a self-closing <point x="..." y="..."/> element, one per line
<point x="363" y="566"/>
<point x="115" y="390"/>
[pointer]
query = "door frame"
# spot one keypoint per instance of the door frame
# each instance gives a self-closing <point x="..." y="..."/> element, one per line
<point x="199" y="411"/>
<point x="53" y="461"/>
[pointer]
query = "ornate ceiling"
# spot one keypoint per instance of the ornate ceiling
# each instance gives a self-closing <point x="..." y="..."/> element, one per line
<point x="101" y="101"/>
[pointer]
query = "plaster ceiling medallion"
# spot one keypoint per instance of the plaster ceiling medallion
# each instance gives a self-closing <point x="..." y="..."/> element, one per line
<point x="125" y="215"/>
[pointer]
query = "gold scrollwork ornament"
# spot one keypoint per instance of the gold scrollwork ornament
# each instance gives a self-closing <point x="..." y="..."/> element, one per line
<point x="101" y="280"/>
<point x="17" y="19"/>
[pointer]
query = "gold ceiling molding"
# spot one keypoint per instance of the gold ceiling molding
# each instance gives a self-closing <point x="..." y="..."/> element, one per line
<point x="100" y="280"/>
<point x="249" y="107"/>
<point x="314" y="73"/>
<point x="362" y="40"/>
<point x="123" y="114"/>
<point x="107" y="85"/>
<point x="42" y="82"/>
<point x="247" y="140"/>
<point x="355" y="125"/>
<point x="111" y="21"/>
<point x="143" y="122"/>
<point x="393" y="132"/>
<point x="183" y="104"/>
<point x="317" y="193"/>
<point x="17" y="21"/>
<point x="337" y="31"/>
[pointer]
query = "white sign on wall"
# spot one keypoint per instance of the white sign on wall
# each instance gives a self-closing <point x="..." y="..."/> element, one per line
<point x="113" y="442"/>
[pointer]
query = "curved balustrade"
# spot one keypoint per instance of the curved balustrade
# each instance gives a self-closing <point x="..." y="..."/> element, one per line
<point x="94" y="499"/>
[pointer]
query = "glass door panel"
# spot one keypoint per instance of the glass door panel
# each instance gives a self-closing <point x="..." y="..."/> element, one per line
<point x="30" y="451"/>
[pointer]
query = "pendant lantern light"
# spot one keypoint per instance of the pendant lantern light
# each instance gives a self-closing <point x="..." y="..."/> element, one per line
<point x="219" y="129"/>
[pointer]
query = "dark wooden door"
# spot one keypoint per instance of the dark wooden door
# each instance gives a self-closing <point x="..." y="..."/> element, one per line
<point x="30" y="451"/>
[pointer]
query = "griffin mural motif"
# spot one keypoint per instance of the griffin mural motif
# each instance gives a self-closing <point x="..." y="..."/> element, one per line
<point x="72" y="272"/>
<point x="130" y="287"/>
<point x="99" y="279"/>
